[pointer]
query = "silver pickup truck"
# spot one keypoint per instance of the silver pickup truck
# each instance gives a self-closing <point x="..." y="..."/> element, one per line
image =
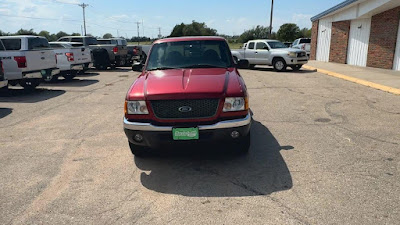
<point x="272" y="53"/>
<point x="27" y="60"/>
<point x="104" y="56"/>
<point x="119" y="48"/>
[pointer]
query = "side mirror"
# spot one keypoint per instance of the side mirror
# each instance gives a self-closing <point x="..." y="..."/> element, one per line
<point x="137" y="67"/>
<point x="242" y="64"/>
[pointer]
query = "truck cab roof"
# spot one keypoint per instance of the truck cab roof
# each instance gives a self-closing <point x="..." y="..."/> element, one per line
<point x="194" y="38"/>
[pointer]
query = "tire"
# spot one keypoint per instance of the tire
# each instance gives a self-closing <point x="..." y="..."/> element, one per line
<point x="279" y="65"/>
<point x="29" y="84"/>
<point x="139" y="151"/>
<point x="70" y="75"/>
<point x="101" y="67"/>
<point x="243" y="145"/>
<point x="251" y="66"/>
<point x="296" y="67"/>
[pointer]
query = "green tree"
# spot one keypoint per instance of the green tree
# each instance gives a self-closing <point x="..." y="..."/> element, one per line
<point x="25" y="32"/>
<point x="107" y="35"/>
<point x="75" y="34"/>
<point x="288" y="32"/>
<point x="61" y="34"/>
<point x="305" y="33"/>
<point x="193" y="29"/>
<point x="258" y="32"/>
<point x="45" y="34"/>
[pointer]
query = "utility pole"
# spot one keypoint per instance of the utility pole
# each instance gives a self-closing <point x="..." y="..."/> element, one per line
<point x="270" y="24"/>
<point x="83" y="5"/>
<point x="159" y="33"/>
<point x="142" y="28"/>
<point x="137" y="23"/>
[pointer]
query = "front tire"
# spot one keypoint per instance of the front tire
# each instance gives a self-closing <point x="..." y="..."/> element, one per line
<point x="139" y="151"/>
<point x="70" y="75"/>
<point x="29" y="84"/>
<point x="251" y="66"/>
<point x="279" y="65"/>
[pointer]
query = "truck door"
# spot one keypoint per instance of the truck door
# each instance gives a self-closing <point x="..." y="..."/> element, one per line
<point x="250" y="53"/>
<point x="263" y="53"/>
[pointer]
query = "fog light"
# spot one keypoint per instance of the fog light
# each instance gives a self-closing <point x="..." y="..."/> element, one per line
<point x="235" y="134"/>
<point x="138" y="138"/>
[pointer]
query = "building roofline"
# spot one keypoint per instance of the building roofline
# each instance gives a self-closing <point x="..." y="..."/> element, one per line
<point x="333" y="9"/>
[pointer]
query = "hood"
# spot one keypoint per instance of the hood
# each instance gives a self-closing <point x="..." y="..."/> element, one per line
<point x="187" y="83"/>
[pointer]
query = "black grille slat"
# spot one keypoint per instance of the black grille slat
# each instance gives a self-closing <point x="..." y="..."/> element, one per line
<point x="301" y="54"/>
<point x="169" y="109"/>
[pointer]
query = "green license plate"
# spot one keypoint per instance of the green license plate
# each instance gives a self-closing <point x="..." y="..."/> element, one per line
<point x="185" y="133"/>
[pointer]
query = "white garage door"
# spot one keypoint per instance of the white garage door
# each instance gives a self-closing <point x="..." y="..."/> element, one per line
<point x="396" y="64"/>
<point x="358" y="42"/>
<point x="324" y="40"/>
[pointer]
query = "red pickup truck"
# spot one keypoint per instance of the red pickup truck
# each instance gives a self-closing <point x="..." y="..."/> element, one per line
<point x="189" y="92"/>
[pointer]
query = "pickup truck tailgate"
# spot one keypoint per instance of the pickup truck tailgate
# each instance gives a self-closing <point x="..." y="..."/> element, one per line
<point x="82" y="55"/>
<point x="40" y="59"/>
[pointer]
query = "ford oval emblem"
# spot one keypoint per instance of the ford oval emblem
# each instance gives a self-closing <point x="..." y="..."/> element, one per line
<point x="185" y="109"/>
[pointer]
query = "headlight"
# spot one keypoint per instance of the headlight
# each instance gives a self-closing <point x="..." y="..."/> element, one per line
<point x="292" y="54"/>
<point x="136" y="107"/>
<point x="234" y="104"/>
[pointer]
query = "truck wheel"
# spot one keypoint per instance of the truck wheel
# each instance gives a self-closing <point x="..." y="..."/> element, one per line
<point x="139" y="151"/>
<point x="29" y="84"/>
<point x="251" y="66"/>
<point x="279" y="65"/>
<point x="296" y="67"/>
<point x="70" y="75"/>
<point x="101" y="67"/>
<point x="243" y="145"/>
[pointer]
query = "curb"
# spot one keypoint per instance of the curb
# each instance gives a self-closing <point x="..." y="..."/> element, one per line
<point x="356" y="80"/>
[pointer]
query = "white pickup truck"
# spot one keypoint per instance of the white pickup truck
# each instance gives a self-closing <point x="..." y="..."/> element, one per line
<point x="27" y="60"/>
<point x="271" y="52"/>
<point x="70" y="59"/>
<point x="303" y="44"/>
<point x="3" y="81"/>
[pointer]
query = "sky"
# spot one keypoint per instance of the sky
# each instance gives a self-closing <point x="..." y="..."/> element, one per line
<point x="118" y="17"/>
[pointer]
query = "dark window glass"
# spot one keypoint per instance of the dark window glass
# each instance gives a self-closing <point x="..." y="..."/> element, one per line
<point x="12" y="44"/>
<point x="261" y="45"/>
<point x="90" y="41"/>
<point x="37" y="43"/>
<point x="64" y="39"/>
<point x="56" y="46"/>
<point x="305" y="41"/>
<point x="190" y="54"/>
<point x="251" y="45"/>
<point x="103" y="42"/>
<point x="76" y="39"/>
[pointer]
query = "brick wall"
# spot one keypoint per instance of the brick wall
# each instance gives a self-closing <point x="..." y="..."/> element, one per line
<point x="314" y="40"/>
<point x="382" y="42"/>
<point x="339" y="41"/>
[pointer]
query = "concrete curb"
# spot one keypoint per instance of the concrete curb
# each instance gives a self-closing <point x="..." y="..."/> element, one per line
<point x="356" y="80"/>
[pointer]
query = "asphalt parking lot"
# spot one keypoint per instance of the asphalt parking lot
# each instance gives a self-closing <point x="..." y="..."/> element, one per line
<point x="323" y="151"/>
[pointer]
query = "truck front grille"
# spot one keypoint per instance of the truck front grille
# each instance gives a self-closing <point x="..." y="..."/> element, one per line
<point x="185" y="108"/>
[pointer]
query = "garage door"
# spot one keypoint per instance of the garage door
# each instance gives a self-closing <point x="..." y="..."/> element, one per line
<point x="358" y="42"/>
<point x="396" y="64"/>
<point x="324" y="40"/>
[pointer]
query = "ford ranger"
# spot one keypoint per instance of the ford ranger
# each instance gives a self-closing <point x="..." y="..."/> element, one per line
<point x="273" y="53"/>
<point x="189" y="92"/>
<point x="27" y="60"/>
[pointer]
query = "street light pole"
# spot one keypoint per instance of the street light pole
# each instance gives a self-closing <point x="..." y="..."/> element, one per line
<point x="270" y="24"/>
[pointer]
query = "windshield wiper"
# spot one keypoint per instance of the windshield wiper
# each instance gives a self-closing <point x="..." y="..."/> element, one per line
<point x="204" y="66"/>
<point x="163" y="68"/>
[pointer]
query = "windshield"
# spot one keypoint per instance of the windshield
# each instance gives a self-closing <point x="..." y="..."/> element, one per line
<point x="276" y="44"/>
<point x="38" y="43"/>
<point x="190" y="54"/>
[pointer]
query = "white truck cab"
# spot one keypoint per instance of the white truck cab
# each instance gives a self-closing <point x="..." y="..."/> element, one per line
<point x="27" y="60"/>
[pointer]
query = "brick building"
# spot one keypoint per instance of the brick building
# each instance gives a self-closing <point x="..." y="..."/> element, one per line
<point x="358" y="32"/>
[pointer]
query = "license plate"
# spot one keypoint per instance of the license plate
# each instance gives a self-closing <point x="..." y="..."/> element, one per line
<point x="185" y="133"/>
<point x="43" y="72"/>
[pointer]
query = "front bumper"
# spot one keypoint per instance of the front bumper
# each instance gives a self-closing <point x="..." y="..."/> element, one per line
<point x="297" y="61"/>
<point x="156" y="136"/>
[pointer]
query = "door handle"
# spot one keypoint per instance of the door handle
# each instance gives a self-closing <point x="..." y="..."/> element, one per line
<point x="256" y="52"/>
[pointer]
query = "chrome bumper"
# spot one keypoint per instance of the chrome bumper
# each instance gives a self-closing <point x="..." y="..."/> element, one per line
<point x="296" y="61"/>
<point x="220" y="125"/>
<point x="3" y="83"/>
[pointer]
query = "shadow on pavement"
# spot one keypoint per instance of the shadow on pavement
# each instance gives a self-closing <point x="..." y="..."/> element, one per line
<point x="29" y="96"/>
<point x="70" y="83"/>
<point x="87" y="74"/>
<point x="118" y="69"/>
<point x="5" y="112"/>
<point x="220" y="174"/>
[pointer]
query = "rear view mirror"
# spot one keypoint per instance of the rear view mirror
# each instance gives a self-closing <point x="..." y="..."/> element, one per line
<point x="242" y="63"/>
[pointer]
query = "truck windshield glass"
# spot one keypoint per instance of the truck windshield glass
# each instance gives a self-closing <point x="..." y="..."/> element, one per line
<point x="307" y="41"/>
<point x="38" y="43"/>
<point x="90" y="41"/>
<point x="276" y="44"/>
<point x="190" y="54"/>
<point x="12" y="44"/>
